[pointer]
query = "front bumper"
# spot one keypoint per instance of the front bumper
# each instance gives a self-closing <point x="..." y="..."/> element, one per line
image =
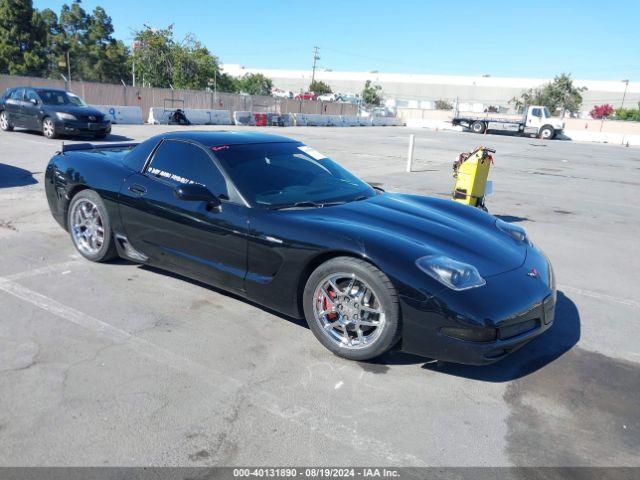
<point x="81" y="128"/>
<point x="515" y="306"/>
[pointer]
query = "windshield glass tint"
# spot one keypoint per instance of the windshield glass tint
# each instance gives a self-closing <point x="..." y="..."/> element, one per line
<point x="56" y="97"/>
<point x="273" y="174"/>
<point x="546" y="112"/>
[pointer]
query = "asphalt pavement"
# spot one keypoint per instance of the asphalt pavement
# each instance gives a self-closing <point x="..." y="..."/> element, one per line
<point x="118" y="364"/>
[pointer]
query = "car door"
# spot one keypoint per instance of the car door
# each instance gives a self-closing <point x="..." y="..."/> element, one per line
<point x="31" y="109"/>
<point x="13" y="107"/>
<point x="186" y="236"/>
<point x="535" y="118"/>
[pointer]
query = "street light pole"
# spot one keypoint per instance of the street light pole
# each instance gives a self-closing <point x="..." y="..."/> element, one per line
<point x="626" y="85"/>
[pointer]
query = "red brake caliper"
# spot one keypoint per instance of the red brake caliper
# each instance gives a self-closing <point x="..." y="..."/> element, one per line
<point x="326" y="306"/>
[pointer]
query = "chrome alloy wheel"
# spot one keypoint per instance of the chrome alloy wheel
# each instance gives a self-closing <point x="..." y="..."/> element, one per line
<point x="4" y="121"/>
<point x="348" y="310"/>
<point x="87" y="228"/>
<point x="48" y="128"/>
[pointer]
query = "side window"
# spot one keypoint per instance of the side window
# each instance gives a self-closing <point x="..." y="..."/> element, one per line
<point x="536" y="112"/>
<point x="31" y="95"/>
<point x="17" y="94"/>
<point x="177" y="162"/>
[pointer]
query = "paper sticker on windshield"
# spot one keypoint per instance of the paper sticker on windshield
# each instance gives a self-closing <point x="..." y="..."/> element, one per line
<point x="312" y="152"/>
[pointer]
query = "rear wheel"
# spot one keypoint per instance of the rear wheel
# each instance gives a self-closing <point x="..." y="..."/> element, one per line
<point x="5" y="124"/>
<point x="49" y="128"/>
<point x="352" y="308"/>
<point x="478" y="127"/>
<point x="90" y="227"/>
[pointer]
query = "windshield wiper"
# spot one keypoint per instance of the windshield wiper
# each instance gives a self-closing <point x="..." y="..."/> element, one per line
<point x="305" y="204"/>
<point x="310" y="204"/>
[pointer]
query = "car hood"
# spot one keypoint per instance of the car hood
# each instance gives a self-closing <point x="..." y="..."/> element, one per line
<point x="416" y="225"/>
<point x="76" y="110"/>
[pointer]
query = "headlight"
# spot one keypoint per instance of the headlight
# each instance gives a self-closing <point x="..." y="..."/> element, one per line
<point x="514" y="231"/>
<point x="455" y="275"/>
<point x="65" y="116"/>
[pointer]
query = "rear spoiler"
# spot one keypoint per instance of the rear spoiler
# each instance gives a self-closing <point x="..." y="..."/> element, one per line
<point x="70" y="147"/>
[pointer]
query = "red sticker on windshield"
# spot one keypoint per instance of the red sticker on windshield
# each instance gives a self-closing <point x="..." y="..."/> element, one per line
<point x="219" y="147"/>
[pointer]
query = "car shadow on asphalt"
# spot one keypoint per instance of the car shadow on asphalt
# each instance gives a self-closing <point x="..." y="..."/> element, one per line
<point x="512" y="218"/>
<point x="296" y="321"/>
<point x="109" y="138"/>
<point x="11" y="176"/>
<point x="559" y="339"/>
<point x="552" y="344"/>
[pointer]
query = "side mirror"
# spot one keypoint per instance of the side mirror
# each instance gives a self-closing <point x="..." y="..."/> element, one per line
<point x="33" y="101"/>
<point x="192" y="192"/>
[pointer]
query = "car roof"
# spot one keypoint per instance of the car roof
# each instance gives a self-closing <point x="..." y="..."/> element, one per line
<point x="48" y="89"/>
<point x="226" y="137"/>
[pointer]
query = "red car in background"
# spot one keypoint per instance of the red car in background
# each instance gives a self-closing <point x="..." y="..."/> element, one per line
<point x="306" y="96"/>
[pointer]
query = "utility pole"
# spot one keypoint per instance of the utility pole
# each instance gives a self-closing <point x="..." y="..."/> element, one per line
<point x="68" y="65"/>
<point x="626" y="85"/>
<point x="316" y="57"/>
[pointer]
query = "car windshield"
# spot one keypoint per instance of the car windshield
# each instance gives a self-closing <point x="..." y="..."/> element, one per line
<point x="546" y="112"/>
<point x="281" y="175"/>
<point x="58" y="97"/>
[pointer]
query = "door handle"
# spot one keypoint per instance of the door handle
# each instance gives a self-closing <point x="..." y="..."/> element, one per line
<point x="137" y="189"/>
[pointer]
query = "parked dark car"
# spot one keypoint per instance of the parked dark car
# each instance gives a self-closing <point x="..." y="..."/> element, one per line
<point x="53" y="112"/>
<point x="273" y="220"/>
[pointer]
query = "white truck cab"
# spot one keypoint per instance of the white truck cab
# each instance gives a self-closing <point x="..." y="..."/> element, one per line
<point x="538" y="121"/>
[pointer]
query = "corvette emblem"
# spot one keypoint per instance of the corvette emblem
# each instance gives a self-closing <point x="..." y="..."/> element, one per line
<point x="533" y="273"/>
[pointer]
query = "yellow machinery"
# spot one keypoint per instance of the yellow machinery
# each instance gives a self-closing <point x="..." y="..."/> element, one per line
<point x="471" y="171"/>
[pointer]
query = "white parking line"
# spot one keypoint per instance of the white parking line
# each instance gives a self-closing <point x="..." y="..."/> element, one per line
<point x="52" y="268"/>
<point x="260" y="398"/>
<point x="600" y="296"/>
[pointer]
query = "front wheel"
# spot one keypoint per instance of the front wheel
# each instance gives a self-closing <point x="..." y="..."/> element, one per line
<point x="547" y="133"/>
<point x="49" y="128"/>
<point x="90" y="227"/>
<point x="352" y="308"/>
<point x="5" y="124"/>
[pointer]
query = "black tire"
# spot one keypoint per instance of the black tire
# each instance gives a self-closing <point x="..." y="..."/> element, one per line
<point x="385" y="294"/>
<point x="49" y="128"/>
<point x="5" y="124"/>
<point x="547" y="132"/>
<point x="107" y="251"/>
<point x="478" y="127"/>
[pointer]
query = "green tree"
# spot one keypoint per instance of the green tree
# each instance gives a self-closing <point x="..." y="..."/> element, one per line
<point x="162" y="61"/>
<point x="226" y="83"/>
<point x="153" y="55"/>
<point x="558" y="95"/>
<point x="88" y="39"/>
<point x="319" y="88"/>
<point x="443" y="105"/>
<point x="108" y="58"/>
<point x="371" y="94"/>
<point x="255" y="84"/>
<point x="22" y="39"/>
<point x="193" y="65"/>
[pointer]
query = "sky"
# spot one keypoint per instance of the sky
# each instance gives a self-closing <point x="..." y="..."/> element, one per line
<point x="592" y="40"/>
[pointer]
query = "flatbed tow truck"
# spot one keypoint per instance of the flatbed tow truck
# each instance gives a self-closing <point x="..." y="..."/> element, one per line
<point x="536" y="121"/>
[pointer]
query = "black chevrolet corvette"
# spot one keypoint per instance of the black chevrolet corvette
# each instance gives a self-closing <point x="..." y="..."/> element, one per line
<point x="275" y="221"/>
